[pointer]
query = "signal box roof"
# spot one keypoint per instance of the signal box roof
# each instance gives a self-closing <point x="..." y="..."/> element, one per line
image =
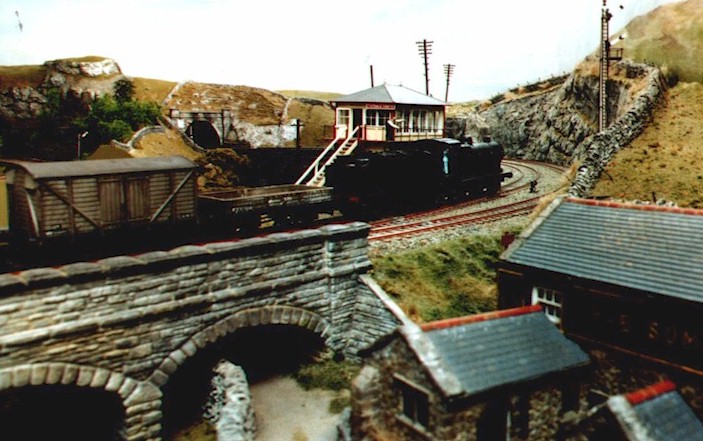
<point x="388" y="94"/>
<point x="58" y="169"/>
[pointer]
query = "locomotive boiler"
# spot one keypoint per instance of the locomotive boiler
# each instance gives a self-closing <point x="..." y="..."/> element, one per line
<point x="420" y="174"/>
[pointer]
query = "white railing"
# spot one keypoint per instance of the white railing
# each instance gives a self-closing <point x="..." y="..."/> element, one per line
<point x="316" y="169"/>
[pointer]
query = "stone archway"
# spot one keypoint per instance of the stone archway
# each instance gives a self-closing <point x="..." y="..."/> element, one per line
<point x="180" y="374"/>
<point x="267" y="315"/>
<point x="139" y="399"/>
<point x="204" y="134"/>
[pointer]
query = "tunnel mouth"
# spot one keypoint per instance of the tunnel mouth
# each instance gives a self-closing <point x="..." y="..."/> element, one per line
<point x="205" y="135"/>
<point x="263" y="352"/>
<point x="61" y="412"/>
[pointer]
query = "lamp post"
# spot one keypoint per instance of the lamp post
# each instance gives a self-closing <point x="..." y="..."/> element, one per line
<point x="78" y="144"/>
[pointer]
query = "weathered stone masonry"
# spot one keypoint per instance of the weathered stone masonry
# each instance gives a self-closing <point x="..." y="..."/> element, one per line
<point x="125" y="324"/>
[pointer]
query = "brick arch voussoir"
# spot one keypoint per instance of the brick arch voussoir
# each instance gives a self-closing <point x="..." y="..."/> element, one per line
<point x="68" y="374"/>
<point x="266" y="315"/>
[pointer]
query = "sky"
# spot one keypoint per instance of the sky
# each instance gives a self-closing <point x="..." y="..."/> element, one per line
<point x="321" y="45"/>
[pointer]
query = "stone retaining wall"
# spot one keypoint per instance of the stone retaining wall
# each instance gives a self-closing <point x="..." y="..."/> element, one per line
<point x="597" y="151"/>
<point x="126" y="324"/>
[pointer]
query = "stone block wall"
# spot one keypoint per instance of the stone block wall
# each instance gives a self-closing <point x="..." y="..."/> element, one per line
<point x="134" y="320"/>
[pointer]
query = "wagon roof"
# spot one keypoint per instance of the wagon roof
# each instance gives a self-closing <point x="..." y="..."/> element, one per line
<point x="389" y="94"/>
<point x="648" y="248"/>
<point x="57" y="169"/>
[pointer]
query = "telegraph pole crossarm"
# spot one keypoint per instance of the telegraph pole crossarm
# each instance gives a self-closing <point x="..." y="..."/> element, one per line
<point x="448" y="70"/>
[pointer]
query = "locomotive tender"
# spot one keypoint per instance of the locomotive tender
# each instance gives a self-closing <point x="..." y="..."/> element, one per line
<point x="418" y="174"/>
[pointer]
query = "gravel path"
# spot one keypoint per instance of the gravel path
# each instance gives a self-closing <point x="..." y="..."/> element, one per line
<point x="286" y="412"/>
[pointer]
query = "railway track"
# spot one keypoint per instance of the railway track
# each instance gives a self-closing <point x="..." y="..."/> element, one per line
<point x="514" y="199"/>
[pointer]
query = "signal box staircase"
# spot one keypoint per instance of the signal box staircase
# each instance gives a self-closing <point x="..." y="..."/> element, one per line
<point x="315" y="174"/>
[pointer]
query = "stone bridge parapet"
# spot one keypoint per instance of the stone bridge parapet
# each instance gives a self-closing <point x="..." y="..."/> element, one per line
<point x="126" y="324"/>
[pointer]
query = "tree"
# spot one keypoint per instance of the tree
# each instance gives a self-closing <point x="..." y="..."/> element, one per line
<point x="112" y="118"/>
<point x="123" y="89"/>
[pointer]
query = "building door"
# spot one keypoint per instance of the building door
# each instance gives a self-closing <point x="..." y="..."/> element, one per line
<point x="357" y="118"/>
<point x="343" y="122"/>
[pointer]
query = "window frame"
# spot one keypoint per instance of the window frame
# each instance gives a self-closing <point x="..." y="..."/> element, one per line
<point x="551" y="301"/>
<point x="413" y="403"/>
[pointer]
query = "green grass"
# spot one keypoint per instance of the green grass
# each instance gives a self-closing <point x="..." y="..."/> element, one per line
<point x="21" y="76"/>
<point x="450" y="279"/>
<point x="331" y="375"/>
<point x="327" y="374"/>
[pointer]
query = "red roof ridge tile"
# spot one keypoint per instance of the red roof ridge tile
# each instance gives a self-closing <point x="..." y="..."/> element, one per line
<point x="634" y="206"/>
<point x="649" y="392"/>
<point x="468" y="319"/>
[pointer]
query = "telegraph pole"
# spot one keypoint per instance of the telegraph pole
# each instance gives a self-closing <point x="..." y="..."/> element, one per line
<point x="605" y="58"/>
<point x="448" y="71"/>
<point x="425" y="49"/>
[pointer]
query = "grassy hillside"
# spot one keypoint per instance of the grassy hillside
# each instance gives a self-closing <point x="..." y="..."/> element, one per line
<point x="322" y="96"/>
<point x="664" y="162"/>
<point x="451" y="279"/>
<point x="671" y="36"/>
<point x="146" y="89"/>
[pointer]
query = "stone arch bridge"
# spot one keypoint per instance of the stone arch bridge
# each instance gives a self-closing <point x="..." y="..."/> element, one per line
<point x="124" y="325"/>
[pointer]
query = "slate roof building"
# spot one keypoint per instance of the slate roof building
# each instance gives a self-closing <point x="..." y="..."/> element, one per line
<point x="462" y="378"/>
<point x="389" y="113"/>
<point x="654" y="413"/>
<point x="628" y="277"/>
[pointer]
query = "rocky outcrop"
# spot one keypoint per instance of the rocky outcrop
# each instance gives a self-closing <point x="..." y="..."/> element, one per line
<point x="547" y="126"/>
<point x="22" y="103"/>
<point x="80" y="82"/>
<point x="560" y="126"/>
<point x="249" y="116"/>
<point x="94" y="68"/>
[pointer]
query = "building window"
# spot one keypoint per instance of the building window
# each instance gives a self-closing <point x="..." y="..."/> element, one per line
<point x="377" y="118"/>
<point x="551" y="302"/>
<point x="343" y="117"/>
<point x="415" y="403"/>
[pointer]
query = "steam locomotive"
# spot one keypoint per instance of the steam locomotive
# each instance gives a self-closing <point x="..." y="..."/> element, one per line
<point x="419" y="174"/>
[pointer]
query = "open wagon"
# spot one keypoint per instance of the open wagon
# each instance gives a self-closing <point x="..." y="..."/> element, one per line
<point x="247" y="208"/>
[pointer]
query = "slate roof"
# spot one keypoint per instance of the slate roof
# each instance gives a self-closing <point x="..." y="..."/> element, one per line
<point x="649" y="248"/>
<point x="656" y="413"/>
<point x="388" y="94"/>
<point x="509" y="347"/>
<point x="47" y="170"/>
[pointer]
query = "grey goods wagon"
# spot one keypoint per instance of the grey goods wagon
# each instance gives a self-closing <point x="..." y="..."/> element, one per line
<point x="73" y="198"/>
<point x="49" y="200"/>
